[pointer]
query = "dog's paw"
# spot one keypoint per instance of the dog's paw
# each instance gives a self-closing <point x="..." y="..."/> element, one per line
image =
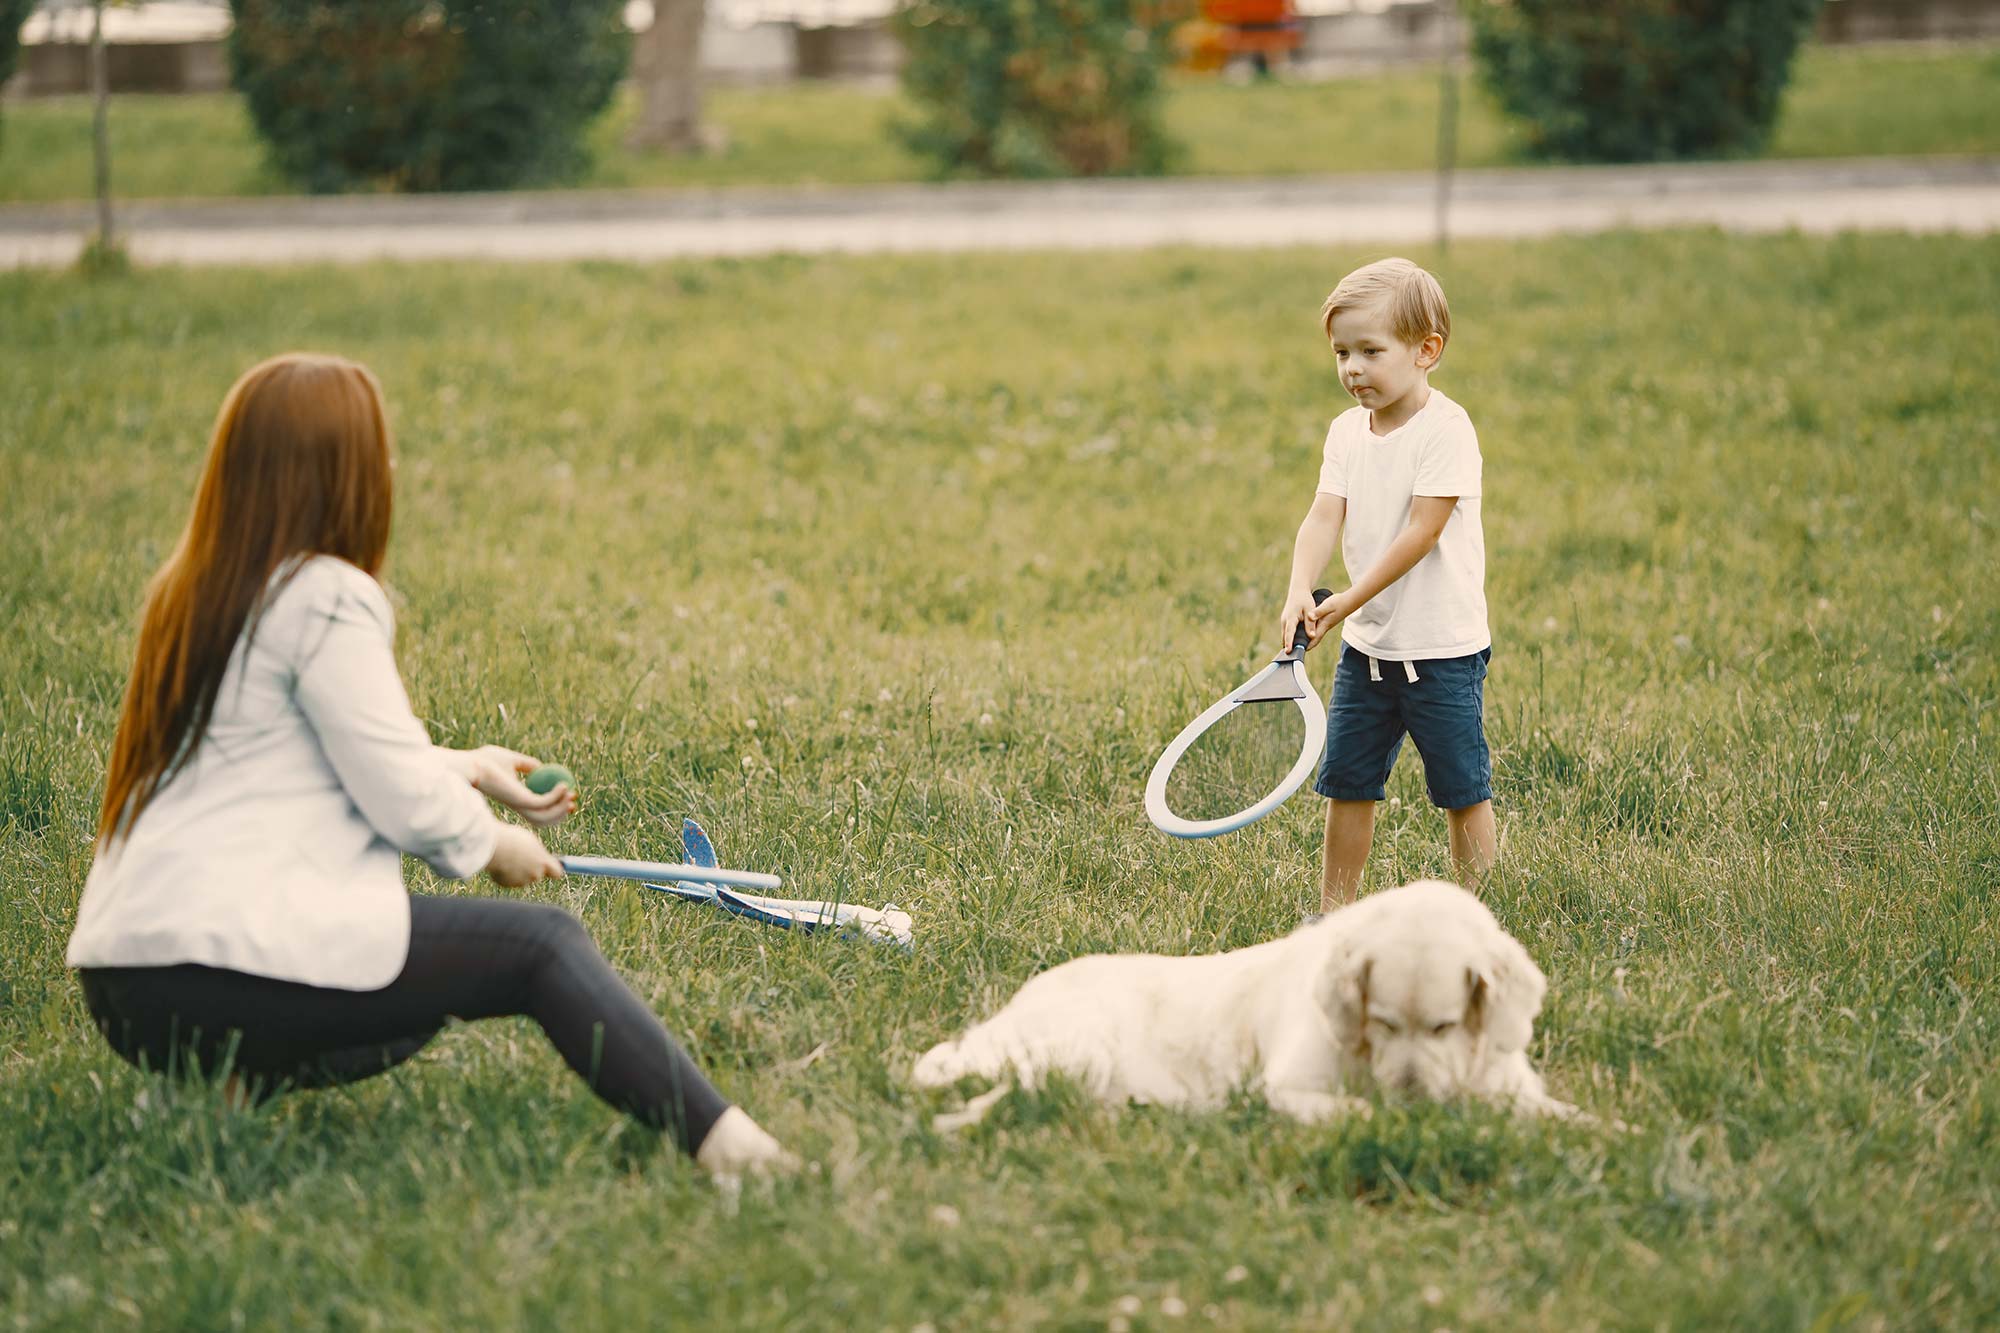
<point x="1316" y="1108"/>
<point x="1610" y="1124"/>
<point x="939" y="1067"/>
<point x="972" y="1112"/>
<point x="1557" y="1109"/>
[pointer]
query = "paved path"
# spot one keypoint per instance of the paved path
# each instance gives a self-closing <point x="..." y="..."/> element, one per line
<point x="1961" y="195"/>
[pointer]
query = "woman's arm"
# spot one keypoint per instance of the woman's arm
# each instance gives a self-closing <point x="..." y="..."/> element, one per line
<point x="348" y="689"/>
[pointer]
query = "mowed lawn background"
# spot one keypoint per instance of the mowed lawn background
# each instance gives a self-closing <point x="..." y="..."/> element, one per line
<point x="897" y="574"/>
<point x="1842" y="102"/>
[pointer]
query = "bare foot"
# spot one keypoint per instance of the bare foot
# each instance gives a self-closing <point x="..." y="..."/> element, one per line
<point x="737" y="1146"/>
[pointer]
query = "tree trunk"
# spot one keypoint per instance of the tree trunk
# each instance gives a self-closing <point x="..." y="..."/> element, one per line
<point x="1447" y="144"/>
<point x="100" y="89"/>
<point x="667" y="68"/>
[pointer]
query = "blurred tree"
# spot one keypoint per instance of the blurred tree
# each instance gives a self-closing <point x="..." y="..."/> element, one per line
<point x="13" y="13"/>
<point x="1639" y="80"/>
<point x="667" y="68"/>
<point x="1036" y="87"/>
<point x="426" y="94"/>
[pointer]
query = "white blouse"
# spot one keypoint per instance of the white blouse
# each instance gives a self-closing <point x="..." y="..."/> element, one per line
<point x="278" y="849"/>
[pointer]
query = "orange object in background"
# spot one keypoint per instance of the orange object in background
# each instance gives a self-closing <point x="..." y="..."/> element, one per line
<point x="1230" y="28"/>
<point x="1247" y="13"/>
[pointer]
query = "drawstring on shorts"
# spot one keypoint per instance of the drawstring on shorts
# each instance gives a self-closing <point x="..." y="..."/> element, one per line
<point x="1375" y="670"/>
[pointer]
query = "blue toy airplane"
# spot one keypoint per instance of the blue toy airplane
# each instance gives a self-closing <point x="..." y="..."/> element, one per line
<point x="890" y="925"/>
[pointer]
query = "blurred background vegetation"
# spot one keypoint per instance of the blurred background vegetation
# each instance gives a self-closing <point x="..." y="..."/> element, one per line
<point x="410" y="94"/>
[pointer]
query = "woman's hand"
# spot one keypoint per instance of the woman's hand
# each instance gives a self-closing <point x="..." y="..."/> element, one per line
<point x="496" y="772"/>
<point x="520" y="859"/>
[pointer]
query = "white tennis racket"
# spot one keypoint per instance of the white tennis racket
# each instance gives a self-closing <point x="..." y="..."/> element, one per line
<point x="1234" y="794"/>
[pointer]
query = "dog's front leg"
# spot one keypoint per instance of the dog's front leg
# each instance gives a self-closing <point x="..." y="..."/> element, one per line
<point x="1514" y="1084"/>
<point x="1314" y="1107"/>
<point x="1299" y="1077"/>
<point x="1540" y="1103"/>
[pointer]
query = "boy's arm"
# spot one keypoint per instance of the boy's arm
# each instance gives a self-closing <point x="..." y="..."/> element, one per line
<point x="1319" y="538"/>
<point x="1428" y="515"/>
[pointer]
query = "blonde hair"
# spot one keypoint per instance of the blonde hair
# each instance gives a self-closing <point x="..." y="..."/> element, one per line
<point x="1416" y="302"/>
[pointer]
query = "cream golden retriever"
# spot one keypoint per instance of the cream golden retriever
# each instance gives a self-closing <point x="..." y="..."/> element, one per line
<point x="1412" y="990"/>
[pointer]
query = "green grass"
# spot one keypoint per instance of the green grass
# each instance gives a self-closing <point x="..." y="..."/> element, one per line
<point x="898" y="573"/>
<point x="1843" y="102"/>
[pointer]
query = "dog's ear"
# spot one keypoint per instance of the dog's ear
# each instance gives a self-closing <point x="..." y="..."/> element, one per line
<point x="1342" y="993"/>
<point x="1505" y="994"/>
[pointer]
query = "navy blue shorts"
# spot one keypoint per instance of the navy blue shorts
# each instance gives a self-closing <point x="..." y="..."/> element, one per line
<point x="1442" y="711"/>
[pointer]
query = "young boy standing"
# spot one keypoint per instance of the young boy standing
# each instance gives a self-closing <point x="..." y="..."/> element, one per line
<point x="1399" y="495"/>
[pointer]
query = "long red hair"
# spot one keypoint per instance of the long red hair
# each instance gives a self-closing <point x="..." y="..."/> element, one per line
<point x="298" y="465"/>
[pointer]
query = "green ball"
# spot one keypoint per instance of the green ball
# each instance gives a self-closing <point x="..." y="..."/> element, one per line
<point x="547" y="778"/>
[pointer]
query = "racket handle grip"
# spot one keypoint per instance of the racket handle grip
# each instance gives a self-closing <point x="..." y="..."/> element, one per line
<point x="1301" y="636"/>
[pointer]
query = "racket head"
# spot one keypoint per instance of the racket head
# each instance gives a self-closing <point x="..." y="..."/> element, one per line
<point x="1282" y="682"/>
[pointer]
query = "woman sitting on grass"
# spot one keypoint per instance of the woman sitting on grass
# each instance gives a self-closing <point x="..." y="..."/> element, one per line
<point x="246" y="910"/>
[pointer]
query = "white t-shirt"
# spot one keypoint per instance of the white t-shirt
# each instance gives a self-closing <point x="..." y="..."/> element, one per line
<point x="278" y="849"/>
<point x="1438" y="609"/>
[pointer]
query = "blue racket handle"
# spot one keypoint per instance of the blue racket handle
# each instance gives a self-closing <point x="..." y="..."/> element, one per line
<point x="1302" y="637"/>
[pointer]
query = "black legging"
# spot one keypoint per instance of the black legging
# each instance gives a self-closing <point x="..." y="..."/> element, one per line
<point x="469" y="958"/>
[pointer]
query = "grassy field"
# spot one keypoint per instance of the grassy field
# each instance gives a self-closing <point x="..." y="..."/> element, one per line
<point x="1843" y="102"/>
<point x="897" y="573"/>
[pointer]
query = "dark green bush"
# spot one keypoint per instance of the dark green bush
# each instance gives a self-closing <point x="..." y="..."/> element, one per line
<point x="13" y="13"/>
<point x="1041" y="88"/>
<point x="426" y="94"/>
<point x="1639" y="80"/>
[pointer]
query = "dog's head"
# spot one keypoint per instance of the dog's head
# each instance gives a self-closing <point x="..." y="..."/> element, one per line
<point x="1423" y="985"/>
